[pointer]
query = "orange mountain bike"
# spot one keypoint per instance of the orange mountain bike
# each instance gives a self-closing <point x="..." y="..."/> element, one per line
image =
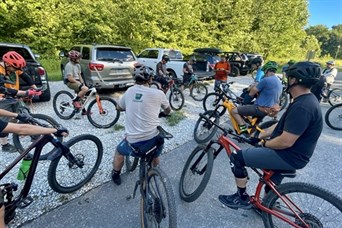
<point x="294" y="204"/>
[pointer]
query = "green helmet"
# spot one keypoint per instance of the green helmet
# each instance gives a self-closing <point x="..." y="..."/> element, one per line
<point x="291" y="62"/>
<point x="270" y="65"/>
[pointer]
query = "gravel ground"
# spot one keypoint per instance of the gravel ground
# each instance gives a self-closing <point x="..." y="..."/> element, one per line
<point x="46" y="199"/>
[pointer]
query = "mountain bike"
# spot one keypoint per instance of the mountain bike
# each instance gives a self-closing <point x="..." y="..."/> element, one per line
<point x="204" y="130"/>
<point x="101" y="111"/>
<point x="157" y="202"/>
<point x="333" y="117"/>
<point x="294" y="204"/>
<point x="333" y="96"/>
<point x="176" y="97"/>
<point x="197" y="89"/>
<point x="80" y="156"/>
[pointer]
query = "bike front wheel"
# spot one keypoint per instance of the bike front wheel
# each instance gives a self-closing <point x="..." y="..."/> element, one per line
<point x="102" y="113"/>
<point x="63" y="106"/>
<point x="212" y="101"/>
<point x="22" y="142"/>
<point x="205" y="129"/>
<point x="335" y="96"/>
<point x="333" y="117"/>
<point x="176" y="99"/>
<point x="198" y="91"/>
<point x="158" y="206"/>
<point x="70" y="171"/>
<point x="317" y="207"/>
<point x="196" y="173"/>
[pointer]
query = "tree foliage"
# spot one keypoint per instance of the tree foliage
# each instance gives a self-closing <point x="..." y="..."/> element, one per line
<point x="274" y="28"/>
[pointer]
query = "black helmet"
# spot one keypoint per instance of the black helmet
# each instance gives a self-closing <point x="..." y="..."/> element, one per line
<point x="143" y="73"/>
<point x="166" y="58"/>
<point x="307" y="73"/>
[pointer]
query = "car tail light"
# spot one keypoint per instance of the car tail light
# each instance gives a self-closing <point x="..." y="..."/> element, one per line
<point x="97" y="66"/>
<point x="41" y="71"/>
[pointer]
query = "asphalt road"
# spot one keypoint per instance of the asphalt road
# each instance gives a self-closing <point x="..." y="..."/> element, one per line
<point x="107" y="205"/>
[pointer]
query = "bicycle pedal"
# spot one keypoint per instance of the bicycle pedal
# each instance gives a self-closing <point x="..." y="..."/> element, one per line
<point x="24" y="202"/>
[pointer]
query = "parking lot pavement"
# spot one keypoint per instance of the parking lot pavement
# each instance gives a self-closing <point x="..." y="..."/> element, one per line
<point x="107" y="205"/>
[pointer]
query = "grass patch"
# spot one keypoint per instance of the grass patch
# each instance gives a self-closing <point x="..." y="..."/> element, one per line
<point x="175" y="117"/>
<point x="118" y="127"/>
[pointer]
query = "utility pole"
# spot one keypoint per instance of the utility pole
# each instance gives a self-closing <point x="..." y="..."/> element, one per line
<point x="338" y="48"/>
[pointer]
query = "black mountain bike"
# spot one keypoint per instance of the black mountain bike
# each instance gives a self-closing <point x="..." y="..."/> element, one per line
<point x="157" y="202"/>
<point x="73" y="164"/>
<point x="333" y="117"/>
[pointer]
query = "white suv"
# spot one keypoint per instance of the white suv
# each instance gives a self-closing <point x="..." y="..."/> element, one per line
<point x="107" y="66"/>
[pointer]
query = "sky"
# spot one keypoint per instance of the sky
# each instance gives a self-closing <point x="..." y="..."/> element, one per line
<point x="326" y="12"/>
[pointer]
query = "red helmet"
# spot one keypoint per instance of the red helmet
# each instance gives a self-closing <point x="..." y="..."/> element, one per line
<point x="73" y="55"/>
<point x="14" y="59"/>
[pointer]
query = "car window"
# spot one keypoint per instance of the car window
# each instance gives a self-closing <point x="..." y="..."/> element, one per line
<point x="112" y="54"/>
<point x="144" y="54"/>
<point x="153" y="54"/>
<point x="22" y="51"/>
<point x="174" y="54"/>
<point x="86" y="53"/>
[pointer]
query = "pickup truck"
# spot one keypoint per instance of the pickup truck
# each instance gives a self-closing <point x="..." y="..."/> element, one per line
<point x="152" y="56"/>
<point x="33" y="68"/>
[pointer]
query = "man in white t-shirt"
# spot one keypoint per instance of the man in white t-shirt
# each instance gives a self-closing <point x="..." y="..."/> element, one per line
<point x="142" y="105"/>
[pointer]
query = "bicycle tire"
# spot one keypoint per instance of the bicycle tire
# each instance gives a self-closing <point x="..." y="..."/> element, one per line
<point x="154" y="85"/>
<point x="204" y="130"/>
<point x="196" y="167"/>
<point x="80" y="147"/>
<point x="22" y="142"/>
<point x="131" y="163"/>
<point x="283" y="100"/>
<point x="176" y="99"/>
<point x="110" y="114"/>
<point x="313" y="201"/>
<point x="333" y="117"/>
<point x="62" y="105"/>
<point x="162" y="212"/>
<point x="212" y="101"/>
<point x="198" y="91"/>
<point x="335" y="96"/>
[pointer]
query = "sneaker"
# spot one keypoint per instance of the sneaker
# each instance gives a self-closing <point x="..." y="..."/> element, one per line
<point x="77" y="104"/>
<point x="116" y="178"/>
<point x="78" y="116"/>
<point x="84" y="113"/>
<point x="9" y="148"/>
<point x="235" y="202"/>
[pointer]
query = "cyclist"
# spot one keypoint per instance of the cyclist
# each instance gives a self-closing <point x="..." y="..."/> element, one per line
<point x="161" y="72"/>
<point x="142" y="105"/>
<point x="73" y="78"/>
<point x="283" y="70"/>
<point x="255" y="64"/>
<point x="268" y="89"/>
<point x="222" y="69"/>
<point x="328" y="78"/>
<point x="292" y="140"/>
<point x="11" y="69"/>
<point x="188" y="71"/>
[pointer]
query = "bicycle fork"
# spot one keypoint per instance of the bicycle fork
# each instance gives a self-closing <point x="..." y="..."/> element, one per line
<point x="99" y="104"/>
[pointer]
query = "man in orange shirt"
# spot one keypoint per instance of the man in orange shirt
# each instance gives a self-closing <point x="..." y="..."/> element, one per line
<point x="222" y="69"/>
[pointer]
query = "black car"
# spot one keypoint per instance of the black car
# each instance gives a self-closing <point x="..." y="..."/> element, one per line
<point x="33" y="68"/>
<point x="206" y="58"/>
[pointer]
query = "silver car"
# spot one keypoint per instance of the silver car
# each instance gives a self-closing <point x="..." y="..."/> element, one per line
<point x="107" y="66"/>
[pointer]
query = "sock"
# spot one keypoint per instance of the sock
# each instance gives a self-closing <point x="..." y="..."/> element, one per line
<point x="242" y="193"/>
<point x="116" y="174"/>
<point x="243" y="128"/>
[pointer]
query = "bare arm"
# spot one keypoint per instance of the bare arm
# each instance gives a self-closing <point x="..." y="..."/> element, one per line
<point x="27" y="129"/>
<point x="283" y="141"/>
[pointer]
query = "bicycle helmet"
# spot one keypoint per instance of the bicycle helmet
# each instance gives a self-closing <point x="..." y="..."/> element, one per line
<point x="307" y="73"/>
<point x="142" y="73"/>
<point x="73" y="55"/>
<point x="257" y="61"/>
<point x="166" y="58"/>
<point x="331" y="62"/>
<point x="270" y="66"/>
<point x="14" y="59"/>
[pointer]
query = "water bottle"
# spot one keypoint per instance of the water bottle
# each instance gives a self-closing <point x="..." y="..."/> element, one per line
<point x="24" y="168"/>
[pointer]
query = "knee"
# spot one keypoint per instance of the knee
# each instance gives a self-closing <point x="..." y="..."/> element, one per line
<point x="238" y="165"/>
<point x="235" y="110"/>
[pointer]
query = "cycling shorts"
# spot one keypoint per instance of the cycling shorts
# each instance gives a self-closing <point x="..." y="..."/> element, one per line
<point x="250" y="110"/>
<point x="139" y="148"/>
<point x="74" y="86"/>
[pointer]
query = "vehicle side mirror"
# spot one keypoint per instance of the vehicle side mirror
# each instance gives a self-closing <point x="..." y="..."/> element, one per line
<point x="37" y="56"/>
<point x="62" y="54"/>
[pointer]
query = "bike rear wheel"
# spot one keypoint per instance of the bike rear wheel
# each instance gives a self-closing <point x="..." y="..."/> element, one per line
<point x="198" y="91"/>
<point x="316" y="206"/>
<point x="204" y="129"/>
<point x="131" y="163"/>
<point x="176" y="99"/>
<point x="103" y="114"/>
<point x="335" y="96"/>
<point x="67" y="176"/>
<point x="211" y="101"/>
<point x="333" y="117"/>
<point x="196" y="173"/>
<point x="283" y="100"/>
<point x="158" y="207"/>
<point x="63" y="106"/>
<point x="22" y="142"/>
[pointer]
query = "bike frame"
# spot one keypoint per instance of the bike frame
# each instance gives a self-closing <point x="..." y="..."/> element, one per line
<point x="264" y="179"/>
<point x="93" y="93"/>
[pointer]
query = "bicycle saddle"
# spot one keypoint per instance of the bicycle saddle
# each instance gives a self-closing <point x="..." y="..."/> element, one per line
<point x="164" y="133"/>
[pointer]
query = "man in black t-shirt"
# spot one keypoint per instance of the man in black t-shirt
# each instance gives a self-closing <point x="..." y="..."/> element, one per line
<point x="161" y="72"/>
<point x="292" y="141"/>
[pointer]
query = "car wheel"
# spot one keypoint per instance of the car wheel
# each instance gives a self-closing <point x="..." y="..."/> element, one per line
<point x="235" y="71"/>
